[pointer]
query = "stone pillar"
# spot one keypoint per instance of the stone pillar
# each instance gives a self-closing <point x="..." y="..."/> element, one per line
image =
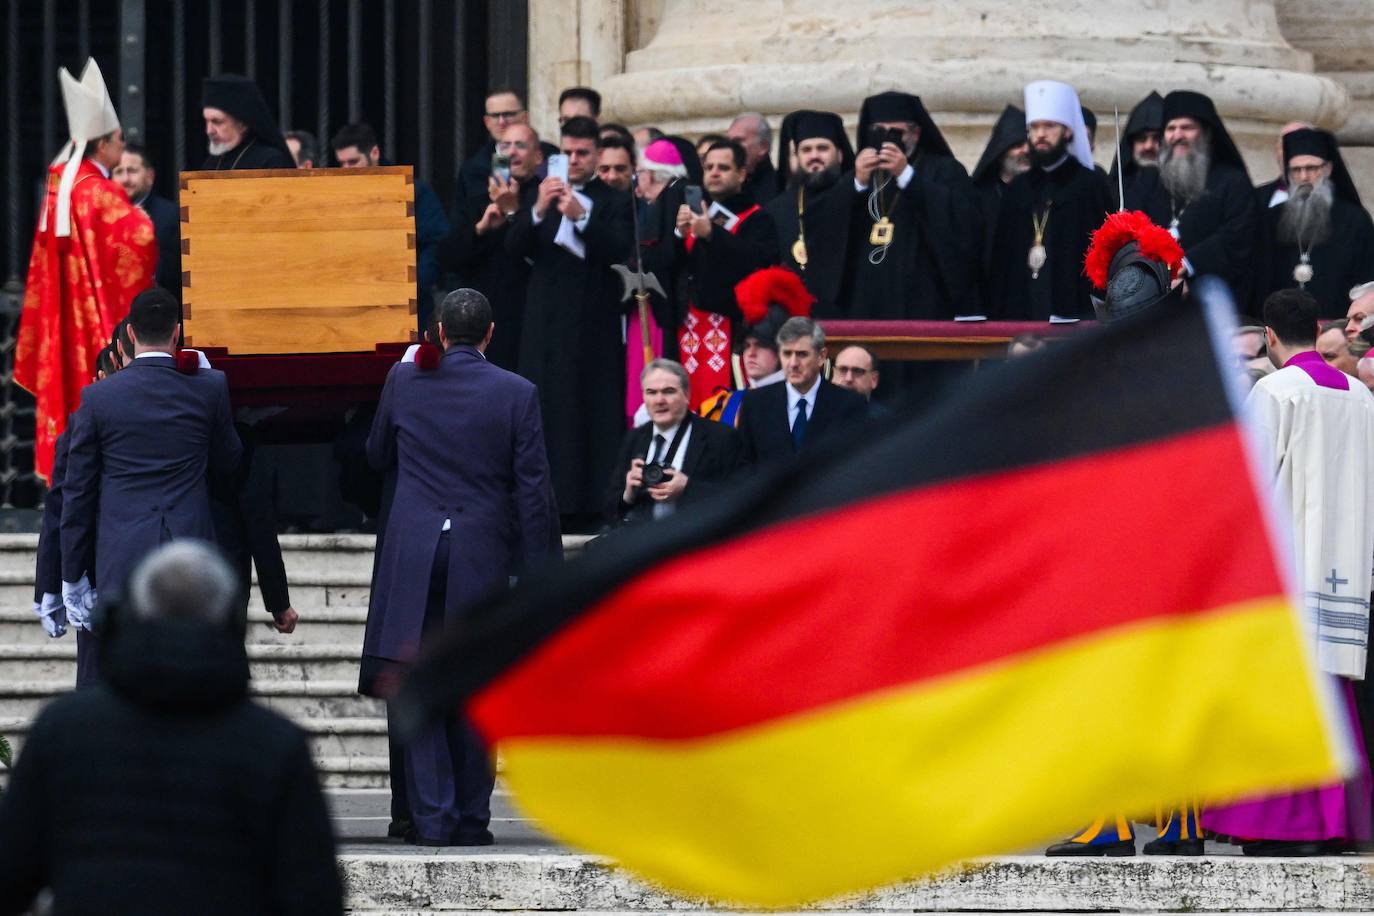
<point x="572" y="43"/>
<point x="696" y="63"/>
<point x="1340" y="36"/>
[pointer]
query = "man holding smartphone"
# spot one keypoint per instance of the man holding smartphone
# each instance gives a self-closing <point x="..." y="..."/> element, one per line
<point x="571" y="228"/>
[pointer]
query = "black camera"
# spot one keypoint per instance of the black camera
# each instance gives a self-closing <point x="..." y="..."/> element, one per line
<point x="655" y="473"/>
<point x="878" y="135"/>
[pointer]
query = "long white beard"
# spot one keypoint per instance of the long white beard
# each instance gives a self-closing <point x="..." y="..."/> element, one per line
<point x="1306" y="217"/>
<point x="219" y="149"/>
<point x="1185" y="175"/>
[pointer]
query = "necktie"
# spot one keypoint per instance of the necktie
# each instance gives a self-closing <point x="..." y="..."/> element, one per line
<point x="659" y="443"/>
<point x="799" y="426"/>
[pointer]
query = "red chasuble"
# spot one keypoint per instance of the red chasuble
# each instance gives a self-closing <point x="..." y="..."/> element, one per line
<point x="78" y="289"/>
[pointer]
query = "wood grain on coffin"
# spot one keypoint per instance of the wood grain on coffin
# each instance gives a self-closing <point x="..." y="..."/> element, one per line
<point x="322" y="329"/>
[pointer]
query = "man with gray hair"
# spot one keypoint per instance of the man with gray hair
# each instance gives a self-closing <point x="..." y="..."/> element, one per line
<point x="165" y="789"/>
<point x="473" y="507"/>
<point x="778" y="422"/>
<point x="675" y="459"/>
<point x="751" y="131"/>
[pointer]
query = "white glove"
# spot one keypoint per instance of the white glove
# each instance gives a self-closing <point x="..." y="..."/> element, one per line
<point x="79" y="600"/>
<point x="52" y="614"/>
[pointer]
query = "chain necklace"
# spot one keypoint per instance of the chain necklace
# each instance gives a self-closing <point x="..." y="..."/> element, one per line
<point x="799" y="246"/>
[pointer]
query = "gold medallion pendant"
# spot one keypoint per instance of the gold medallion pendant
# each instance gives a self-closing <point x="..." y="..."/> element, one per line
<point x="799" y="252"/>
<point x="882" y="233"/>
<point x="1036" y="260"/>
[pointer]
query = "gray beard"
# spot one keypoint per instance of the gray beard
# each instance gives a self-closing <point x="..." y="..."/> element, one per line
<point x="1013" y="166"/>
<point x="1306" y="217"/>
<point x="1185" y="176"/>
<point x="219" y="149"/>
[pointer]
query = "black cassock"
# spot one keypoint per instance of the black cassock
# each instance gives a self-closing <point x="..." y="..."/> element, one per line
<point x="571" y="343"/>
<point x="666" y="259"/>
<point x="251" y="154"/>
<point x="930" y="269"/>
<point x="484" y="264"/>
<point x="1343" y="261"/>
<point x="1217" y="231"/>
<point x="1075" y="199"/>
<point x="824" y="218"/>
<point x="716" y="264"/>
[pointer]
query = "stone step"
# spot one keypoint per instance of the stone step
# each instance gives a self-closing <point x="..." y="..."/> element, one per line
<point x="381" y="880"/>
<point x="347" y="746"/>
<point x="293" y="699"/>
<point x="55" y="659"/>
<point x="318" y="625"/>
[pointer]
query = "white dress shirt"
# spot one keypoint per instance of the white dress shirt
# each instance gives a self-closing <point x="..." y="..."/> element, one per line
<point x="667" y="508"/>
<point x="793" y="396"/>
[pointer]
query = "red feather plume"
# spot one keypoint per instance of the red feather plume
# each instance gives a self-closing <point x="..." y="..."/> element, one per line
<point x="1130" y="226"/>
<point x="188" y="362"/>
<point x="772" y="286"/>
<point x="427" y="357"/>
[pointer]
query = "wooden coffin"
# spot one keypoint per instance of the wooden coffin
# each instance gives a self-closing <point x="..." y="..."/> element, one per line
<point x="279" y="261"/>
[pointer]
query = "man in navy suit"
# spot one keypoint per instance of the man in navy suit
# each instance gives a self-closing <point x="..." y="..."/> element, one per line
<point x="697" y="455"/>
<point x="779" y="421"/>
<point x="473" y="506"/>
<point x="140" y="449"/>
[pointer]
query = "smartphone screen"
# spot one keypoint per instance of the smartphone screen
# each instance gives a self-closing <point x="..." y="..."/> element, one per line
<point x="558" y="167"/>
<point x="500" y="166"/>
<point x="692" y="196"/>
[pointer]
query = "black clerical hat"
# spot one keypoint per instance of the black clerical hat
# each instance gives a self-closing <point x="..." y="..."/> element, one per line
<point x="1185" y="103"/>
<point x="901" y="106"/>
<point x="1322" y="144"/>
<point x="240" y="97"/>
<point x="804" y="124"/>
<point x="1009" y="131"/>
<point x="1148" y="114"/>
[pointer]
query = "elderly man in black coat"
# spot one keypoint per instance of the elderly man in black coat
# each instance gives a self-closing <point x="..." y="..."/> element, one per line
<point x="165" y="789"/>
<point x="141" y="447"/>
<point x="473" y="507"/>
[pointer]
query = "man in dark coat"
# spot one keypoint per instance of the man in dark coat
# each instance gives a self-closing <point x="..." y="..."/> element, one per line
<point x="913" y="246"/>
<point x="571" y="345"/>
<point x="777" y="422"/>
<point x="1006" y="156"/>
<point x="1048" y="216"/>
<point x="752" y="132"/>
<point x="136" y="175"/>
<point x="165" y="789"/>
<point x="1202" y="193"/>
<point x="144" y="441"/>
<point x="1320" y="239"/>
<point x="239" y="127"/>
<point x="813" y="212"/>
<point x="697" y="455"/>
<point x="1141" y="140"/>
<point x="475" y="248"/>
<point x="466" y="442"/>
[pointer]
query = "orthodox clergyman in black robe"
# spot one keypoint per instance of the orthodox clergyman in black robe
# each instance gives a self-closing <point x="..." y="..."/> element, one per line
<point x="571" y="345"/>
<point x="1140" y="143"/>
<point x="1202" y="193"/>
<point x="1047" y="217"/>
<point x="1320" y="238"/>
<point x="1006" y="156"/>
<point x="915" y="227"/>
<point x="258" y="143"/>
<point x="812" y="213"/>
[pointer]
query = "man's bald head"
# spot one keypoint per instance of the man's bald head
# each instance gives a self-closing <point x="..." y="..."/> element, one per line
<point x="520" y="143"/>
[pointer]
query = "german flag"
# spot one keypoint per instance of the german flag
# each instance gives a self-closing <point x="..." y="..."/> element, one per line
<point x="1052" y="596"/>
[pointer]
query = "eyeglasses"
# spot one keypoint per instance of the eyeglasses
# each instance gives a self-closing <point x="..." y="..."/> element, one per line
<point x="505" y="145"/>
<point x="506" y="115"/>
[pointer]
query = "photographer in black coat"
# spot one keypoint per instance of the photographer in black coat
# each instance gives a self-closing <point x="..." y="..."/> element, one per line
<point x="164" y="789"/>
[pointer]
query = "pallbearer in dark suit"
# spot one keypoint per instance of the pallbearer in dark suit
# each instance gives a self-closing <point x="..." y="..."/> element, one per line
<point x="143" y="442"/>
<point x="779" y="421"/>
<point x="694" y="455"/>
<point x="473" y="506"/>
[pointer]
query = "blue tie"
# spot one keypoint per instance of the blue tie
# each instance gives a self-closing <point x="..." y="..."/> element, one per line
<point x="799" y="426"/>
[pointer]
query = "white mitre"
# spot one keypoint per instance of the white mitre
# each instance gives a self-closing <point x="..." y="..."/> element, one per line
<point x="90" y="114"/>
<point x="1048" y="100"/>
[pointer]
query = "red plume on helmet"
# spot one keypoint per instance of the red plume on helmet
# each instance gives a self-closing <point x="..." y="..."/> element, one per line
<point x="1121" y="229"/>
<point x="772" y="286"/>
